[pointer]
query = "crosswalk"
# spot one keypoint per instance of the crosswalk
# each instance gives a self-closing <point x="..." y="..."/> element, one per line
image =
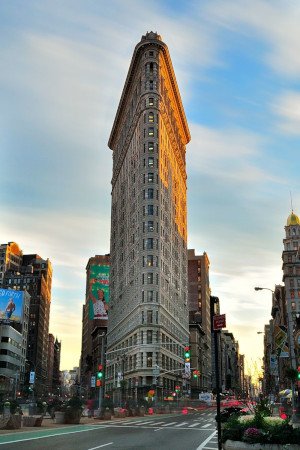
<point x="199" y="422"/>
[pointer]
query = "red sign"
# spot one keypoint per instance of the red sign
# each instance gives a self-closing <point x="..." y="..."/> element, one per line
<point x="219" y="322"/>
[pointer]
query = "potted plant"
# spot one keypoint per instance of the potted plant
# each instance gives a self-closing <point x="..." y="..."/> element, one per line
<point x="269" y="433"/>
<point x="107" y="408"/>
<point x="73" y="410"/>
<point x="59" y="413"/>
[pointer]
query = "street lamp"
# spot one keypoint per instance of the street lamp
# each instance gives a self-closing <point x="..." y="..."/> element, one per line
<point x="257" y="288"/>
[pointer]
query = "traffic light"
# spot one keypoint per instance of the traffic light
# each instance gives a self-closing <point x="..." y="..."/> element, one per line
<point x="187" y="354"/>
<point x="196" y="373"/>
<point x="100" y="372"/>
<point x="99" y="375"/>
<point x="177" y="389"/>
<point x="298" y="374"/>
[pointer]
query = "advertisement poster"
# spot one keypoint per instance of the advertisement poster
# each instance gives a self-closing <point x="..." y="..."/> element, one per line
<point x="11" y="305"/>
<point x="98" y="292"/>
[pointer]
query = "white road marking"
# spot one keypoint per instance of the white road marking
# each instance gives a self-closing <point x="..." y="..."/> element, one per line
<point x="168" y="424"/>
<point x="100" y="446"/>
<point x="194" y="425"/>
<point x="48" y="435"/>
<point x="181" y="424"/>
<point x="158" y="423"/>
<point x="201" y="446"/>
<point x="206" y="426"/>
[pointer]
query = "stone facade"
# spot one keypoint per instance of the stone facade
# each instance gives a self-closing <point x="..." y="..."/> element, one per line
<point x="148" y="316"/>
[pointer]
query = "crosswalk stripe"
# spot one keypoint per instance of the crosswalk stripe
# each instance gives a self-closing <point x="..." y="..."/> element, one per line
<point x="207" y="425"/>
<point x="169" y="424"/>
<point x="141" y="422"/>
<point x="181" y="424"/>
<point x="194" y="424"/>
<point x="156" y="423"/>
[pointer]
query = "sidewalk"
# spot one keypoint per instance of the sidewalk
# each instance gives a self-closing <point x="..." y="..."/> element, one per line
<point x="49" y="423"/>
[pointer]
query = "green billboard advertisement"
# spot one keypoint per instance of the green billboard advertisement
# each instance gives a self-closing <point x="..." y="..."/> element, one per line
<point x="98" y="291"/>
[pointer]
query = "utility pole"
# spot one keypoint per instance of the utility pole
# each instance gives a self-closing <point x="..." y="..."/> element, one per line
<point x="218" y="321"/>
<point x="102" y="353"/>
<point x="216" y="342"/>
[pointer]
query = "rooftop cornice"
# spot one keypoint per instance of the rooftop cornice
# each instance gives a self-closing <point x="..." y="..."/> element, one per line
<point x="147" y="40"/>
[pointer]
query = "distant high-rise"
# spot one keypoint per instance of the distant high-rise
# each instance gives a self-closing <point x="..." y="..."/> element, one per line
<point x="291" y="279"/>
<point x="94" y="315"/>
<point x="200" y="319"/>
<point x="54" y="351"/>
<point x="33" y="274"/>
<point x="148" y="313"/>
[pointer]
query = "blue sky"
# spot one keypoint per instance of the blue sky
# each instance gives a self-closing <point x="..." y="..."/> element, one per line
<point x="237" y="64"/>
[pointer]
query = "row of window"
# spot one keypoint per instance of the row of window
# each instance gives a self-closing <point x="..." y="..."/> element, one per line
<point x="149" y="296"/>
<point x="150" y="261"/>
<point x="10" y="341"/>
<point x="148" y="278"/>
<point x="149" y="317"/>
<point x="293" y="293"/>
<point x="148" y="210"/>
<point x="150" y="162"/>
<point x="4" y="351"/>
<point x="9" y="365"/>
<point x="150" y="132"/>
<point x="150" y="118"/>
<point x="148" y="244"/>
<point x="292" y="283"/>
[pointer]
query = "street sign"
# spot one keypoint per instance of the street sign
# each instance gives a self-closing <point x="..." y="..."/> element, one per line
<point x="93" y="381"/>
<point x="187" y="370"/>
<point x="31" y="377"/>
<point x="119" y="379"/>
<point x="219" y="322"/>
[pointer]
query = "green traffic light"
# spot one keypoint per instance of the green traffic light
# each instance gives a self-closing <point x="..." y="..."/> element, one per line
<point x="99" y="375"/>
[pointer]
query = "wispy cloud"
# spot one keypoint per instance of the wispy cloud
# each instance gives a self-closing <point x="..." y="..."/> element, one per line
<point x="276" y="23"/>
<point x="231" y="155"/>
<point x="287" y="108"/>
<point x="63" y="69"/>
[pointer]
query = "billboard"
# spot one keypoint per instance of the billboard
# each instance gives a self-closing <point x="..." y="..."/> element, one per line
<point x="11" y="306"/>
<point x="98" y="291"/>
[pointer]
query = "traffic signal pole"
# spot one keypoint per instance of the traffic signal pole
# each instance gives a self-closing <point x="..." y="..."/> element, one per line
<point x="101" y="388"/>
<point x="217" y="368"/>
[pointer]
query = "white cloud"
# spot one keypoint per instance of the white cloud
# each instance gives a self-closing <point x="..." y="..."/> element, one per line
<point x="276" y="22"/>
<point x="227" y="155"/>
<point x="287" y="107"/>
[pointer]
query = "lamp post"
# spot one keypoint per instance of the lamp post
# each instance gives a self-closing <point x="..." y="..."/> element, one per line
<point x="257" y="288"/>
<point x="102" y="338"/>
<point x="32" y="376"/>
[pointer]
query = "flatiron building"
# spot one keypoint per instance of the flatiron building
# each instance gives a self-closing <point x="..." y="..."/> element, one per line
<point x="148" y="324"/>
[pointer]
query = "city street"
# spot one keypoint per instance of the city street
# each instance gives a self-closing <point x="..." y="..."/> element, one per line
<point x="194" y="431"/>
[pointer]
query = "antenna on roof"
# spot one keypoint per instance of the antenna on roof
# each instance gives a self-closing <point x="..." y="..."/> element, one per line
<point x="291" y="201"/>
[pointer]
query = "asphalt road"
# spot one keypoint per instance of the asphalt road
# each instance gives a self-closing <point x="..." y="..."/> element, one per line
<point x="195" y="431"/>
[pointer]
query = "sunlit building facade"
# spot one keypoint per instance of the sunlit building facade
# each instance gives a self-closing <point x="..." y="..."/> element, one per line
<point x="148" y="314"/>
<point x="291" y="279"/>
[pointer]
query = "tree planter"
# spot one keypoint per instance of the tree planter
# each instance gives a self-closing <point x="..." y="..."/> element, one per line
<point x="14" y="422"/>
<point x="73" y="416"/>
<point x="239" y="445"/>
<point x="59" y="417"/>
<point x="107" y="414"/>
